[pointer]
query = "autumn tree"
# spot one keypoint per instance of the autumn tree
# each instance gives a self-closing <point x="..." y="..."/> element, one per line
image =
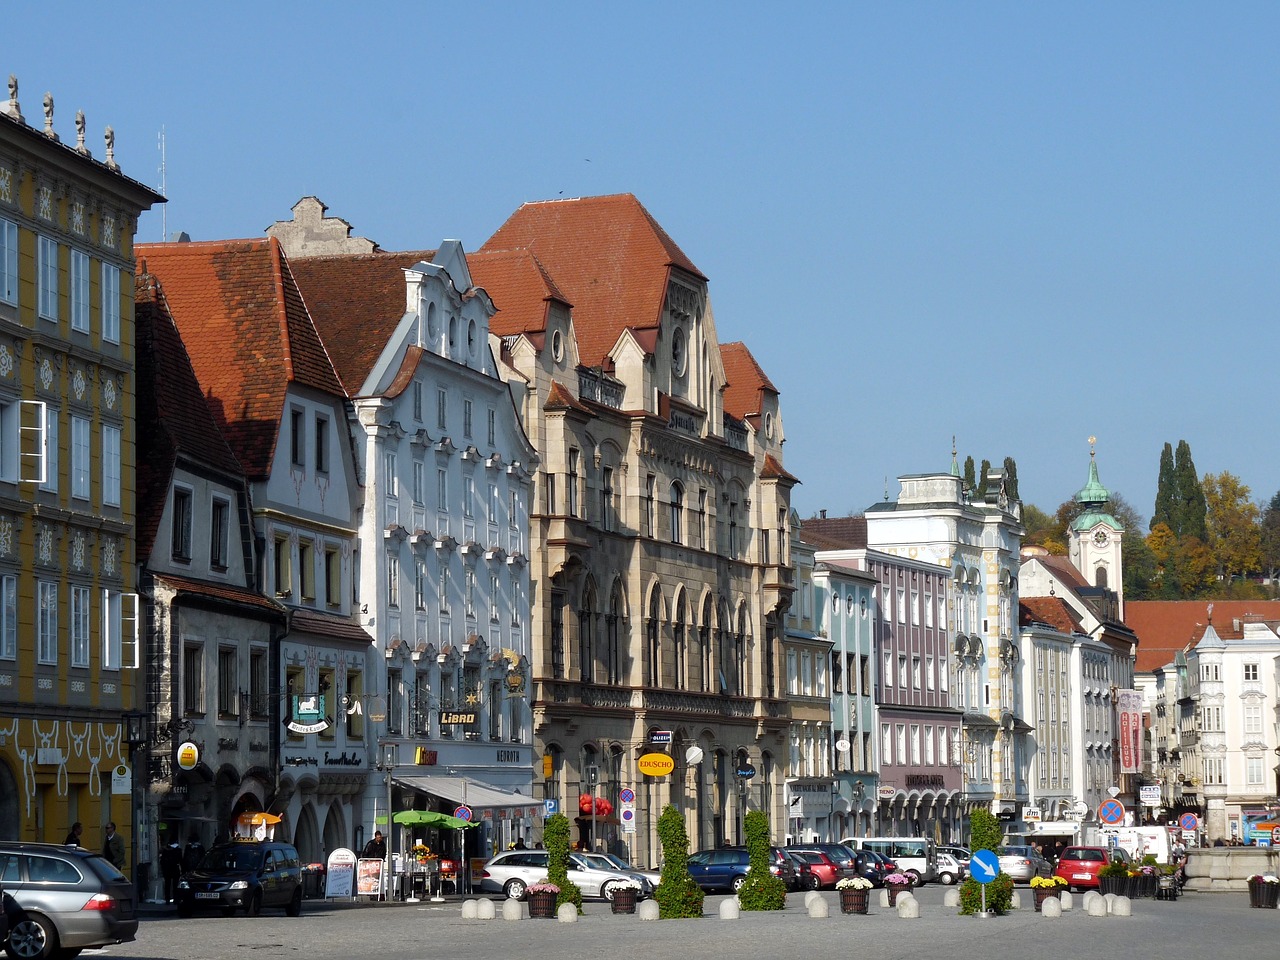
<point x="1041" y="529"/>
<point x="1231" y="520"/>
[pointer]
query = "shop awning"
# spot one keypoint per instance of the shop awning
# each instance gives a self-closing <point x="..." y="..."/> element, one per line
<point x="476" y="795"/>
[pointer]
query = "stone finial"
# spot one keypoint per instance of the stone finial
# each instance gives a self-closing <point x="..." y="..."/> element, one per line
<point x="15" y="111"/>
<point x="48" y="116"/>
<point x="80" y="147"/>
<point x="111" y="148"/>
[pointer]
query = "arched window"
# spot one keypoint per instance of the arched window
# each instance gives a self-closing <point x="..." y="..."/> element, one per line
<point x="704" y="646"/>
<point x="740" y="653"/>
<point x="586" y="636"/>
<point x="557" y="635"/>
<point x="613" y="659"/>
<point x="677" y="512"/>
<point x="678" y="645"/>
<point x="724" y="664"/>
<point x="1100" y="577"/>
<point x="653" y="629"/>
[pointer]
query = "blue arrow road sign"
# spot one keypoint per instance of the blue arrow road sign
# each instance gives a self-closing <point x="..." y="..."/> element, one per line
<point x="984" y="866"/>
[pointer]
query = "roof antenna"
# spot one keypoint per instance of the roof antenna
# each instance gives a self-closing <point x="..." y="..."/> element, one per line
<point x="886" y="488"/>
<point x="164" y="207"/>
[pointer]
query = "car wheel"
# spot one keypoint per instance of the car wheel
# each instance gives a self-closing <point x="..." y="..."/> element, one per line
<point x="814" y="882"/>
<point x="736" y="884"/>
<point x="947" y="879"/>
<point x="253" y="906"/>
<point x="515" y="889"/>
<point x="295" y="903"/>
<point x="31" y="938"/>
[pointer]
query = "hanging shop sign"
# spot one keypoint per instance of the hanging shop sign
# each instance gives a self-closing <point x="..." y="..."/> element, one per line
<point x="307" y="714"/>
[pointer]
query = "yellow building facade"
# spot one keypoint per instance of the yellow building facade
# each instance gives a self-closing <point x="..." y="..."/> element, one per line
<point x="68" y="653"/>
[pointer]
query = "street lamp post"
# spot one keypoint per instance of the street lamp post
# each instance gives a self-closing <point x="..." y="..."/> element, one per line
<point x="592" y="776"/>
<point x="135" y="735"/>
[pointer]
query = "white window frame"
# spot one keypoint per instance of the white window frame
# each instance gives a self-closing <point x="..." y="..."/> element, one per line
<point x="8" y="261"/>
<point x="110" y="303"/>
<point x="47" y="277"/>
<point x="79" y="290"/>
<point x="78" y="625"/>
<point x="49" y="481"/>
<point x="8" y="617"/>
<point x="110" y="465"/>
<point x="81" y="455"/>
<point x="46" y="622"/>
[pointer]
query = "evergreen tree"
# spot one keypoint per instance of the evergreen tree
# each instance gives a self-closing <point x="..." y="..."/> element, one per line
<point x="1163" y="512"/>
<point x="1189" y="503"/>
<point x="1271" y="538"/>
<point x="982" y="480"/>
<point x="970" y="479"/>
<point x="1011" y="478"/>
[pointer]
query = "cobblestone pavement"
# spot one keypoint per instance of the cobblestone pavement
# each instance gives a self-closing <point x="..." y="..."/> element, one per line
<point x="1195" y="926"/>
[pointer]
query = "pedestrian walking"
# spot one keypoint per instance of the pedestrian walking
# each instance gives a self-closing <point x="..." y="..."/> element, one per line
<point x="113" y="847"/>
<point x="73" y="836"/>
<point x="171" y="870"/>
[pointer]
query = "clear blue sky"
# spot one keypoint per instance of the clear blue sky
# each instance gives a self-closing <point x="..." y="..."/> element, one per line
<point x="1015" y="224"/>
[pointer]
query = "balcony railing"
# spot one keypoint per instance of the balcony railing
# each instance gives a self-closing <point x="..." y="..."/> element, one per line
<point x="735" y="433"/>
<point x="596" y="387"/>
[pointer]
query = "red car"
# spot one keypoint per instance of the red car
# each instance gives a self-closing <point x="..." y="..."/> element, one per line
<point x="823" y="871"/>
<point x="1079" y="866"/>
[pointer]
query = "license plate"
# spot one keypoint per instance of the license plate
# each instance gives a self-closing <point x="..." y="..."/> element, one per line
<point x="1081" y="876"/>
<point x="206" y="896"/>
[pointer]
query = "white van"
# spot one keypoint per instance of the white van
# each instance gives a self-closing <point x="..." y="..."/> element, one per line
<point x="915" y="856"/>
<point x="1139" y="841"/>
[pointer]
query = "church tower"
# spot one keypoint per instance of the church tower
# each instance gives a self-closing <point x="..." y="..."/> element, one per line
<point x="1095" y="536"/>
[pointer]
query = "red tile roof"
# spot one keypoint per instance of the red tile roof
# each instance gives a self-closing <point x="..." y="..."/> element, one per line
<point x="172" y="414"/>
<point x="1051" y="610"/>
<point x="772" y="469"/>
<point x="226" y="592"/>
<point x="1065" y="570"/>
<point x="746" y="381"/>
<point x="327" y="625"/>
<point x="835" y="533"/>
<point x="607" y="254"/>
<point x="520" y="288"/>
<point x="1165" y="627"/>
<point x="247" y="332"/>
<point x="356" y="302"/>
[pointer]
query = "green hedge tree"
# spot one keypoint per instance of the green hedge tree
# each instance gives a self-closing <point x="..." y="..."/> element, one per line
<point x="555" y="834"/>
<point x="678" y="895"/>
<point x="761" y="890"/>
<point x="985" y="833"/>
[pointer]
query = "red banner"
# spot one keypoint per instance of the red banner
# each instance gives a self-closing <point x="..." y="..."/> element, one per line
<point x="1129" y="711"/>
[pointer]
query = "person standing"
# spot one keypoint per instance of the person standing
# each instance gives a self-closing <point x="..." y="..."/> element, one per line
<point x="113" y="847"/>
<point x="171" y="870"/>
<point x="73" y="837"/>
<point x="375" y="849"/>
<point x="194" y="853"/>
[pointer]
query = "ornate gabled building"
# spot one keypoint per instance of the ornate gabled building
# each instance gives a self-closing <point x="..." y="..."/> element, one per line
<point x="279" y="403"/>
<point x="659" y="524"/>
<point x="446" y="472"/>
<point x="68" y="607"/>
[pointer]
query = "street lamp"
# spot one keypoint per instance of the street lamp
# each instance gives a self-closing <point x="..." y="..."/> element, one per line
<point x="591" y="774"/>
<point x="387" y="764"/>
<point x="135" y="735"/>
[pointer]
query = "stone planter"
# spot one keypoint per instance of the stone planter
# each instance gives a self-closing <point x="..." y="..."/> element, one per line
<point x="895" y="889"/>
<point x="1142" y="887"/>
<point x="1264" y="895"/>
<point x="1040" y="894"/>
<point x="1117" y="885"/>
<point x="542" y="906"/>
<point x="624" y="901"/>
<point x="854" y="901"/>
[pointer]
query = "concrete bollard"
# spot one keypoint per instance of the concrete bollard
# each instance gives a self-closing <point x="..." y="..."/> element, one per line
<point x="908" y="907"/>
<point x="485" y="910"/>
<point x="1015" y="901"/>
<point x="1065" y="900"/>
<point x="1095" y="906"/>
<point x="811" y="896"/>
<point x="1089" y="897"/>
<point x="468" y="909"/>
<point x="648" y="909"/>
<point x="884" y="898"/>
<point x="568" y="913"/>
<point x="1109" y="899"/>
<point x="818" y="909"/>
<point x="1122" y="907"/>
<point x="1052" y="907"/>
<point x="513" y="909"/>
<point x="952" y="897"/>
<point x="730" y="909"/>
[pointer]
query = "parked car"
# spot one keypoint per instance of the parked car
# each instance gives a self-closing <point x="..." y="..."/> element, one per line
<point x="725" y="868"/>
<point x="243" y="874"/>
<point x="512" y="872"/>
<point x="962" y="854"/>
<point x="1022" y="863"/>
<point x="878" y="863"/>
<point x="59" y="900"/>
<point x="824" y="872"/>
<point x="950" y="870"/>
<point x="841" y="853"/>
<point x="804" y="875"/>
<point x="1079" y="866"/>
<point x="607" y="861"/>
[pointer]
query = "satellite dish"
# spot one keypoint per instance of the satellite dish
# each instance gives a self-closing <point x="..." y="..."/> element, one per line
<point x="693" y="755"/>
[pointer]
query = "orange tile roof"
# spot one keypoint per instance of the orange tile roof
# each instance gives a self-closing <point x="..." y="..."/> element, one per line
<point x="1065" y="570"/>
<point x="1051" y="610"/>
<point x="247" y="332"/>
<point x="1165" y="627"/>
<point x="356" y="302"/>
<point x="226" y="592"/>
<point x="172" y="414"/>
<point x="772" y="469"/>
<point x="519" y="287"/>
<point x="607" y="254"/>
<point x="746" y="381"/>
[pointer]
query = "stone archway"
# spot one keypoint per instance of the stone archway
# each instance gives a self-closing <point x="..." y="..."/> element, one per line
<point x="306" y="838"/>
<point x="335" y="829"/>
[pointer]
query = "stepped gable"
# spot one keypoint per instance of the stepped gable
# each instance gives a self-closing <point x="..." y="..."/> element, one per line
<point x="356" y="302"/>
<point x="607" y="255"/>
<point x="247" y="332"/>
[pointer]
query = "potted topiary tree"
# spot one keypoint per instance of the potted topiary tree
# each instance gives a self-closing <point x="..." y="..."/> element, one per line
<point x="678" y="895"/>
<point x="761" y="890"/>
<point x="555" y="834"/>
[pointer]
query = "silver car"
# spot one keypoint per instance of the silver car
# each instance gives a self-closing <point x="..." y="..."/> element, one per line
<point x="47" y="890"/>
<point x="511" y="873"/>
<point x="607" y="861"/>
<point x="1023" y="863"/>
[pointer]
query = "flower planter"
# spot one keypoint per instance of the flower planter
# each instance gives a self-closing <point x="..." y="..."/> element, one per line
<point x="1264" y="895"/>
<point x="624" y="901"/>
<point x="853" y="901"/>
<point x="1143" y="887"/>
<point x="1117" y="885"/>
<point x="894" y="889"/>
<point x="542" y="906"/>
<point x="1040" y="894"/>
